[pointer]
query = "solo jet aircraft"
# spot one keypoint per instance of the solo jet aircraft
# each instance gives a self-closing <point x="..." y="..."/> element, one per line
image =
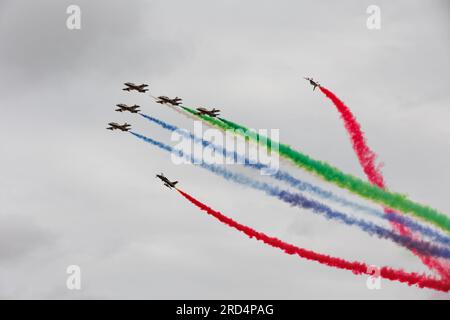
<point x="212" y="113"/>
<point x="121" y="107"/>
<point x="313" y="83"/>
<point x="116" y="126"/>
<point x="164" y="100"/>
<point x="166" y="181"/>
<point x="137" y="87"/>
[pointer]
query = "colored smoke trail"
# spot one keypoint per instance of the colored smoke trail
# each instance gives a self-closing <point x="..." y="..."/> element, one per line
<point x="304" y="186"/>
<point x="366" y="158"/>
<point x="334" y="175"/>
<point x="365" y="155"/>
<point x="302" y="202"/>
<point x="356" y="267"/>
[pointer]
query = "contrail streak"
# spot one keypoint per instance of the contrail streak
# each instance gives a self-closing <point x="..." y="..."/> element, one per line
<point x="304" y="186"/>
<point x="302" y="202"/>
<point x="367" y="159"/>
<point x="334" y="175"/>
<point x="356" y="267"/>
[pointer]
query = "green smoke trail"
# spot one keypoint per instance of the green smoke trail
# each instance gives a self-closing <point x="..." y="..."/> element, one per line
<point x="334" y="175"/>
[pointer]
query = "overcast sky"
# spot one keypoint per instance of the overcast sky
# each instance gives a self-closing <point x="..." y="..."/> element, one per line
<point x="73" y="193"/>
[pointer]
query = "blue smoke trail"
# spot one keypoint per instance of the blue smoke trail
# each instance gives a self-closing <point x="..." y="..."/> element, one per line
<point x="305" y="186"/>
<point x="300" y="201"/>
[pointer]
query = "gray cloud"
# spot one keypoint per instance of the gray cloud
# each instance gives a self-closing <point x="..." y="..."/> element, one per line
<point x="73" y="193"/>
<point x="114" y="39"/>
<point x="20" y="237"/>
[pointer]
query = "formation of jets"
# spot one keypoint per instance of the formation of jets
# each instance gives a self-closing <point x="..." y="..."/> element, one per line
<point x="212" y="113"/>
<point x="169" y="184"/>
<point x="116" y="126"/>
<point x="129" y="86"/>
<point x="121" y="107"/>
<point x="313" y="83"/>
<point x="166" y="100"/>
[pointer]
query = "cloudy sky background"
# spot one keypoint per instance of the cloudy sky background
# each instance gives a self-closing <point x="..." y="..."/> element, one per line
<point x="74" y="193"/>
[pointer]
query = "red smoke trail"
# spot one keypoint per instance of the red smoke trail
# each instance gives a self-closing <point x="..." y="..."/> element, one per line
<point x="367" y="159"/>
<point x="365" y="155"/>
<point x="420" y="280"/>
